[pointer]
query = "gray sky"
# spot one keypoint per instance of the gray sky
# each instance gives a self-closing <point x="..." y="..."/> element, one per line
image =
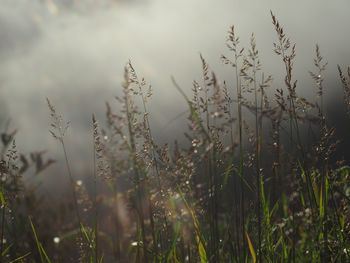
<point x="74" y="52"/>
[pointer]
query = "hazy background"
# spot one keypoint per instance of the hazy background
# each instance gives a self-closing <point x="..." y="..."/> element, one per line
<point x="74" y="52"/>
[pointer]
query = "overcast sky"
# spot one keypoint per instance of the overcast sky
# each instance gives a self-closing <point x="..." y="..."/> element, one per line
<point x="74" y="52"/>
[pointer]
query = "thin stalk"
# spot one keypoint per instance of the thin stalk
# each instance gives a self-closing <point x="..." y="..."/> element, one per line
<point x="257" y="157"/>
<point x="137" y="175"/>
<point x="72" y="183"/>
<point x="116" y="238"/>
<point x="318" y="77"/>
<point x="216" y="203"/>
<point x="153" y="154"/>
<point x="155" y="165"/>
<point x="241" y="157"/>
<point x="277" y="180"/>
<point x="337" y="215"/>
<point x="235" y="209"/>
<point x="58" y="133"/>
<point x="213" y="213"/>
<point x="154" y="236"/>
<point x="325" y="255"/>
<point x="280" y="49"/>
<point x="3" y="217"/>
<point x="294" y="235"/>
<point x="95" y="200"/>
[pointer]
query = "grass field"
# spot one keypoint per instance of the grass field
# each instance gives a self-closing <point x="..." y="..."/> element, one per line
<point x="258" y="180"/>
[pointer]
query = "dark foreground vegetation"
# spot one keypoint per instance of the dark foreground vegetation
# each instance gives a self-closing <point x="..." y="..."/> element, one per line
<point x="257" y="182"/>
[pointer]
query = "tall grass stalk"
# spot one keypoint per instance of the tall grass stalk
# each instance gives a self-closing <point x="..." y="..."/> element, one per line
<point x="145" y="93"/>
<point x="58" y="130"/>
<point x="233" y="42"/>
<point x="96" y="154"/>
<point x="139" y="189"/>
<point x="253" y="54"/>
<point x="282" y="48"/>
<point x="318" y="77"/>
<point x="209" y="81"/>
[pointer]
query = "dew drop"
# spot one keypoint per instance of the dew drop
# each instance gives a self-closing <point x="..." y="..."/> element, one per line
<point x="56" y="240"/>
<point x="134" y="244"/>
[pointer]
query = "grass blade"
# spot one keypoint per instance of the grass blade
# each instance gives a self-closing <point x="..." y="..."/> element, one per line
<point x="251" y="248"/>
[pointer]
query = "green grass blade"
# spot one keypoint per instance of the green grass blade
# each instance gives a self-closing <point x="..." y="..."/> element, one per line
<point x="20" y="258"/>
<point x="40" y="248"/>
<point x="251" y="248"/>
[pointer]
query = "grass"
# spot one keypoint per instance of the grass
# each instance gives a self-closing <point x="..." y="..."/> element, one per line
<point x="249" y="187"/>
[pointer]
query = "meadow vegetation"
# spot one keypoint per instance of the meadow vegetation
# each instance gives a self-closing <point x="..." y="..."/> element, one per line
<point x="257" y="181"/>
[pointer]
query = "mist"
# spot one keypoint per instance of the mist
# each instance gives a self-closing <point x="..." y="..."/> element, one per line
<point x="74" y="52"/>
